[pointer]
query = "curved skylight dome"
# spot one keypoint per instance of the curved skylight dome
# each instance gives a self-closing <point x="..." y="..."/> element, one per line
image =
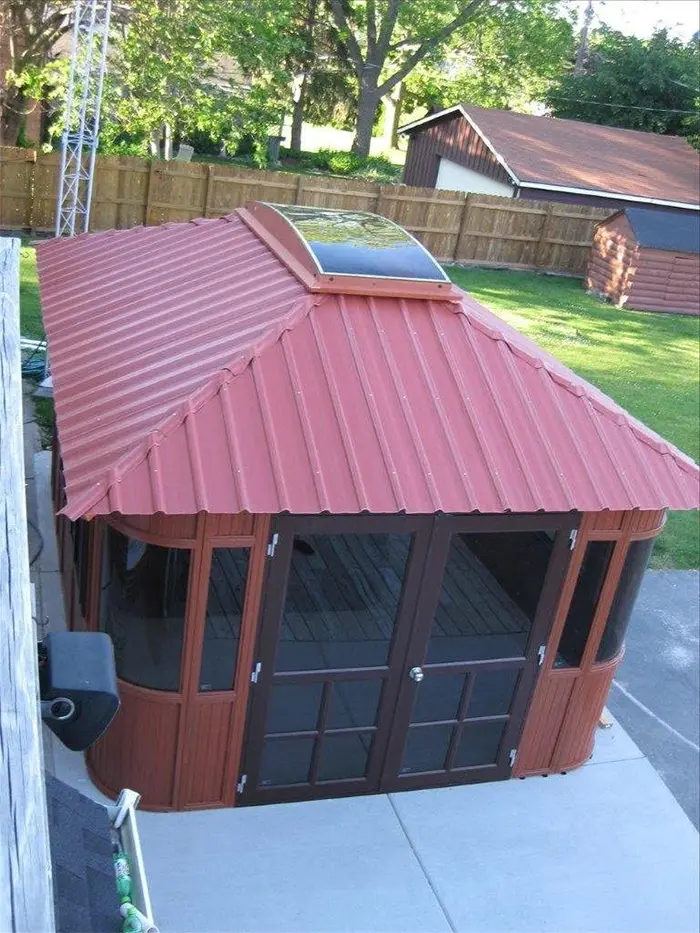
<point x="360" y="244"/>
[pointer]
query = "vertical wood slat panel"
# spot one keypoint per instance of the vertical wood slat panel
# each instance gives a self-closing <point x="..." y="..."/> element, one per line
<point x="138" y="748"/>
<point x="483" y="229"/>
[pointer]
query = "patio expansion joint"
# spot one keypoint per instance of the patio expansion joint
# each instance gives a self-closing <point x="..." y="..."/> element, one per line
<point x="419" y="860"/>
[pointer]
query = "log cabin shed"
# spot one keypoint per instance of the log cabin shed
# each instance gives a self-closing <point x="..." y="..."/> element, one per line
<point x="348" y="530"/>
<point x="647" y="261"/>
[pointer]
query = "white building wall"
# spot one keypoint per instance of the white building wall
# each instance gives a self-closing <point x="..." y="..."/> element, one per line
<point x="455" y="177"/>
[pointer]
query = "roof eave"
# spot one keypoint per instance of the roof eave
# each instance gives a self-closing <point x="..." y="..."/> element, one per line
<point x="596" y="193"/>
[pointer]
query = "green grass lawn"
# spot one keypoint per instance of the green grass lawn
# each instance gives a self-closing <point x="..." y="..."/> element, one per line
<point x="649" y="363"/>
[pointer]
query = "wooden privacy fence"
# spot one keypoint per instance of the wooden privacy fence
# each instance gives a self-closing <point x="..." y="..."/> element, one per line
<point x="473" y="229"/>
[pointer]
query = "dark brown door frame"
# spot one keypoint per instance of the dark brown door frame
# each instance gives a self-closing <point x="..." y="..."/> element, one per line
<point x="445" y="527"/>
<point x="422" y="583"/>
<point x="286" y="527"/>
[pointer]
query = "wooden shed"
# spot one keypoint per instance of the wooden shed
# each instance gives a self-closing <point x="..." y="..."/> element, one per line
<point x="348" y="530"/>
<point x="647" y="261"/>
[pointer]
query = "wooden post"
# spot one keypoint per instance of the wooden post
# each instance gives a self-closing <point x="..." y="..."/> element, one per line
<point x="463" y="225"/>
<point x="25" y="872"/>
<point x="299" y="190"/>
<point x="208" y="185"/>
<point x="541" y="248"/>
<point x="149" y="193"/>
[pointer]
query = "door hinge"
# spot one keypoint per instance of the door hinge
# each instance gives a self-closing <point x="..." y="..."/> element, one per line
<point x="512" y="755"/>
<point x="541" y="652"/>
<point x="272" y="545"/>
<point x="255" y="674"/>
<point x="240" y="787"/>
<point x="572" y="539"/>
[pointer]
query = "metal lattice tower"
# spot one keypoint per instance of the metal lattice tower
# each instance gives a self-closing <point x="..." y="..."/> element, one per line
<point x="82" y="122"/>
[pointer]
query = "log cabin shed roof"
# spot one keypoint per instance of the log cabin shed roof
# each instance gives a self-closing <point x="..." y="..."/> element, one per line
<point x="194" y="371"/>
<point x="677" y="233"/>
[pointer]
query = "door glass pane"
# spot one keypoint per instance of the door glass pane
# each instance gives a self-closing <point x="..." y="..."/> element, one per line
<point x="492" y="693"/>
<point x="354" y="703"/>
<point x="426" y="748"/>
<point x="286" y="761"/>
<point x="294" y="708"/>
<point x="584" y="602"/>
<point x="490" y="591"/>
<point x="437" y="697"/>
<point x="344" y="756"/>
<point x="479" y="744"/>
<point x="635" y="565"/>
<point x="342" y="599"/>
<point x="143" y="597"/>
<point x="222" y="631"/>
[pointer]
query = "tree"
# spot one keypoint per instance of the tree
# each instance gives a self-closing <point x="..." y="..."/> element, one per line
<point x="385" y="40"/>
<point x="508" y="61"/>
<point x="642" y="84"/>
<point x="208" y="66"/>
<point x="29" y="30"/>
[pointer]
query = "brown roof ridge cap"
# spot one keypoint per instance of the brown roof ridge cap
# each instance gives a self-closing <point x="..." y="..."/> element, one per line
<point x="577" y="386"/>
<point x="140" y="450"/>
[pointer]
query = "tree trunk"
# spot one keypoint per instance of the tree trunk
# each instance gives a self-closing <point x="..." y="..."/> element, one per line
<point x="299" y="95"/>
<point x="366" y="113"/>
<point x="12" y="116"/>
<point x="154" y="144"/>
<point x="392" y="115"/>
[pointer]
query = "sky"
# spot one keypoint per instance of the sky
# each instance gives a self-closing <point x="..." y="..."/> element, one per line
<point x="639" y="17"/>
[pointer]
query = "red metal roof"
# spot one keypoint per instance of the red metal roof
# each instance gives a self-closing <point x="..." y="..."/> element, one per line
<point x="192" y="371"/>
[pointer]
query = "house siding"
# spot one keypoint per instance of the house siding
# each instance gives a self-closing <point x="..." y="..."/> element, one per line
<point x="565" y="197"/>
<point x="450" y="138"/>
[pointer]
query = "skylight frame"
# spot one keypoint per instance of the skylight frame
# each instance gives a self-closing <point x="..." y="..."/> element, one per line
<point x="445" y="280"/>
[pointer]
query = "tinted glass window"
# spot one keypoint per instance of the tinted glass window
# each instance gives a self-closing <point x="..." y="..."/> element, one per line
<point x="633" y="570"/>
<point x="490" y="591"/>
<point x="356" y="243"/>
<point x="142" y="607"/>
<point x="222" y="630"/>
<point x="584" y="603"/>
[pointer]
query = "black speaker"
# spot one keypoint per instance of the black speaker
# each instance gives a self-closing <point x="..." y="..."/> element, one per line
<point x="78" y="686"/>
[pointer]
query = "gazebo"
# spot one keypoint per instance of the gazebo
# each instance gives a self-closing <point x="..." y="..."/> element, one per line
<point x="349" y="532"/>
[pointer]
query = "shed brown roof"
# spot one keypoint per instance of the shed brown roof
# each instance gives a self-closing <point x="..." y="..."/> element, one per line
<point x="574" y="154"/>
<point x="193" y="372"/>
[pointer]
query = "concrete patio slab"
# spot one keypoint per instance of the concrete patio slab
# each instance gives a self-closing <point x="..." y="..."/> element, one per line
<point x="341" y="865"/>
<point x="604" y="849"/>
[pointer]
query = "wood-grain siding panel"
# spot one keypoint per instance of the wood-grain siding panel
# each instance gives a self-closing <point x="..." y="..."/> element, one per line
<point x="206" y="751"/>
<point x="544" y="723"/>
<point x="451" y="138"/>
<point x="577" y="735"/>
<point x="137" y="750"/>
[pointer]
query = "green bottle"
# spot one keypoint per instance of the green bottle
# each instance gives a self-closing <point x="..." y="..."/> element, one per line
<point x="131" y="924"/>
<point x="123" y="872"/>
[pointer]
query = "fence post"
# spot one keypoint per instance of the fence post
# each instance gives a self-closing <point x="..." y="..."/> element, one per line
<point x="149" y="193"/>
<point x="381" y="206"/>
<point x="463" y="225"/>
<point x="299" y="190"/>
<point x="31" y="157"/>
<point x="541" y="248"/>
<point x="208" y="188"/>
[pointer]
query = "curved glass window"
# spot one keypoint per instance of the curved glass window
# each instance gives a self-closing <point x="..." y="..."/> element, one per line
<point x="142" y="608"/>
<point x="584" y="602"/>
<point x="633" y="570"/>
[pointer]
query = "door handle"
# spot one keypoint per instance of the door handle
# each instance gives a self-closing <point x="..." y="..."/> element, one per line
<point x="417" y="674"/>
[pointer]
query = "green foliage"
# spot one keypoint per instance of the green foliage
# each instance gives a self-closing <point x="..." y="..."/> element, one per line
<point x="635" y="83"/>
<point x="340" y="162"/>
<point x="200" y="67"/>
<point x="509" y="60"/>
<point x="647" y="362"/>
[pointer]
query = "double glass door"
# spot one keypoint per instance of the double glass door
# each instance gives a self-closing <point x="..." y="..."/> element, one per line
<point x="397" y="651"/>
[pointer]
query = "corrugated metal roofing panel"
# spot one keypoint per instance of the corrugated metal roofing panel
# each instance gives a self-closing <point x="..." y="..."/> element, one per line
<point x="215" y="382"/>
